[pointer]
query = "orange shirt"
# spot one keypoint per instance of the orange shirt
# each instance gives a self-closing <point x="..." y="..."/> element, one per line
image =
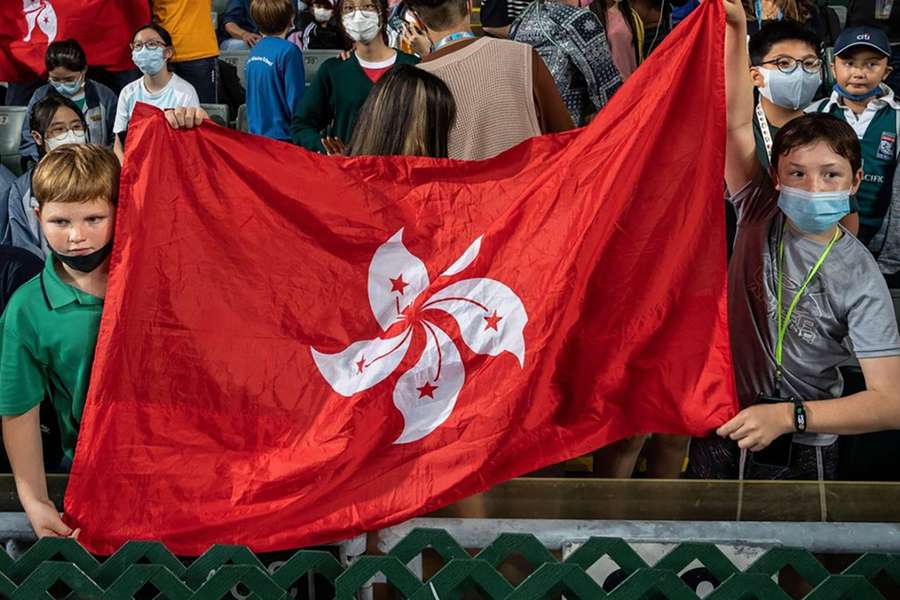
<point x="190" y="23"/>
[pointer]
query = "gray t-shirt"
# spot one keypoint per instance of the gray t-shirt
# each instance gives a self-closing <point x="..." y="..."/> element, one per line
<point x="847" y="299"/>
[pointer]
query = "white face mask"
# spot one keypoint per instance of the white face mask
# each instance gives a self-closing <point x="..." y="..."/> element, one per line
<point x="69" y="137"/>
<point x="362" y="25"/>
<point x="790" y="90"/>
<point x="322" y="15"/>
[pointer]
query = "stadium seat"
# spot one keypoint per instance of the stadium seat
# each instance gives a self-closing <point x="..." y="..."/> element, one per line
<point x="215" y="19"/>
<point x="241" y="123"/>
<point x="217" y="112"/>
<point x="219" y="5"/>
<point x="313" y="59"/>
<point x="238" y="58"/>
<point x="841" y="12"/>
<point x="11" y="120"/>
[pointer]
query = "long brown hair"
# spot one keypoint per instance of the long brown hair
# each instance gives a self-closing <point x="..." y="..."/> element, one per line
<point x="408" y="112"/>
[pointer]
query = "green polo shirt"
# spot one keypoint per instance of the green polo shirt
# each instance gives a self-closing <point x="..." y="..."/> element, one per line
<point x="47" y="337"/>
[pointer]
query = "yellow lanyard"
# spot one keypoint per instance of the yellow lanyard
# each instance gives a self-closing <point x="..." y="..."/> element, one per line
<point x="785" y="320"/>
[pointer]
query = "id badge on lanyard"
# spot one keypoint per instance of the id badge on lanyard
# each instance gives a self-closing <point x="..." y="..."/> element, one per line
<point x="883" y="9"/>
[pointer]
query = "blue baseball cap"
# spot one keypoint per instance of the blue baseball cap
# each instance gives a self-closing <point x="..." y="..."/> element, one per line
<point x="870" y="37"/>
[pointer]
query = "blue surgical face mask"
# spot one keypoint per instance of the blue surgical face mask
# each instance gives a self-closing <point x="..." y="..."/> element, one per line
<point x="814" y="212"/>
<point x="149" y="60"/>
<point x="790" y="90"/>
<point x="67" y="88"/>
<point x="857" y="97"/>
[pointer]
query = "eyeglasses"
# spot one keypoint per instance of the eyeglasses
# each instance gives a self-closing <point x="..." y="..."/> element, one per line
<point x="347" y="8"/>
<point x="60" y="130"/>
<point x="786" y="64"/>
<point x="152" y="45"/>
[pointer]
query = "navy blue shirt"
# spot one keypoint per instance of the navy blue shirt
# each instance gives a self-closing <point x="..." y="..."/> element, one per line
<point x="275" y="84"/>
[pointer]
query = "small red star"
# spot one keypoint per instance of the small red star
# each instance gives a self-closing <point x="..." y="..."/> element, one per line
<point x="426" y="390"/>
<point x="46" y="20"/>
<point x="397" y="285"/>
<point x="492" y="321"/>
<point x="360" y="364"/>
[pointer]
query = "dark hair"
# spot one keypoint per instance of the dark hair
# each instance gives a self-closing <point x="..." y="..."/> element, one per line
<point x="440" y="14"/>
<point x="600" y="8"/>
<point x="382" y="7"/>
<point x="272" y="16"/>
<point x="165" y="35"/>
<point x="408" y="112"/>
<point x="814" y="127"/>
<point x="773" y="32"/>
<point x="42" y="113"/>
<point x="67" y="54"/>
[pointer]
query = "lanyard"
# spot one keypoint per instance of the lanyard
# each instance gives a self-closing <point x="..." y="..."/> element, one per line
<point x="454" y="37"/>
<point x="764" y="129"/>
<point x="785" y="320"/>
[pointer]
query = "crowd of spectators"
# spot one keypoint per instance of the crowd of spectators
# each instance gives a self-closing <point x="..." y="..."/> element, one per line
<point x="811" y="175"/>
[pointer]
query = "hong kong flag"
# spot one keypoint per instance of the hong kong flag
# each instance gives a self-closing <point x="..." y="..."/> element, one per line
<point x="297" y="348"/>
<point x="102" y="27"/>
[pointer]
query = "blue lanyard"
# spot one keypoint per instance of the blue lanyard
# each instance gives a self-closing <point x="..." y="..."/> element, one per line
<point x="454" y="37"/>
<point x="759" y="12"/>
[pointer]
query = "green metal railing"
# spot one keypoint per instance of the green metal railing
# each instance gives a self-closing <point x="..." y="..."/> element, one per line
<point x="55" y="568"/>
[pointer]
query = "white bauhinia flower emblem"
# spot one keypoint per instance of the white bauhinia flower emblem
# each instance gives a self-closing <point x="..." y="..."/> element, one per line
<point x="491" y="320"/>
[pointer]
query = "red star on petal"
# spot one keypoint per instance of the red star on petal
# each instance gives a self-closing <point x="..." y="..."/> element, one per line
<point x="426" y="390"/>
<point x="397" y="285"/>
<point x="360" y="364"/>
<point x="492" y="321"/>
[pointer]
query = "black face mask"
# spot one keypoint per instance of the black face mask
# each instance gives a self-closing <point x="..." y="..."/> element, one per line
<point x="86" y="262"/>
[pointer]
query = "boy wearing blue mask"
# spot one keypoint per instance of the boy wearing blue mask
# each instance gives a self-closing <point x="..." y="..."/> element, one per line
<point x="800" y="286"/>
<point x="67" y="73"/>
<point x="151" y="50"/>
<point x="786" y="70"/>
<point x="862" y="100"/>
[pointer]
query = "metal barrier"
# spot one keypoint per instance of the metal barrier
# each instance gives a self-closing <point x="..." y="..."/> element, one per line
<point x="580" y="538"/>
<point x="139" y="565"/>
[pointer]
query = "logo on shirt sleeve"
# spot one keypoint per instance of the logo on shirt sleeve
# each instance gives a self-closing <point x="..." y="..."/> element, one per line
<point x="887" y="145"/>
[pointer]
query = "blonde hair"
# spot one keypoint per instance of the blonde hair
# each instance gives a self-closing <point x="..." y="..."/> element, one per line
<point x="272" y="16"/>
<point x="77" y="173"/>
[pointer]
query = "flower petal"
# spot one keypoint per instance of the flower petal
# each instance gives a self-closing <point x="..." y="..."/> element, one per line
<point x="491" y="316"/>
<point x="466" y="259"/>
<point x="426" y="394"/>
<point x="396" y="278"/>
<point x="362" y="365"/>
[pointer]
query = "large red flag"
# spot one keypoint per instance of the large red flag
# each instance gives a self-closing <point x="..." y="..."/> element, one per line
<point x="102" y="27"/>
<point x="297" y="348"/>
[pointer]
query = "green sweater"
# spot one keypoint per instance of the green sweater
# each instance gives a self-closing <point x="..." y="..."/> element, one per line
<point x="333" y="100"/>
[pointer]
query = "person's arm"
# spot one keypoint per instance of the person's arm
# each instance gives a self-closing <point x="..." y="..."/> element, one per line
<point x="22" y="439"/>
<point x="119" y="149"/>
<point x="235" y="13"/>
<point x="875" y="409"/>
<point x="497" y="32"/>
<point x="552" y="114"/>
<point x="741" y="165"/>
<point x="313" y="113"/>
<point x="294" y="77"/>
